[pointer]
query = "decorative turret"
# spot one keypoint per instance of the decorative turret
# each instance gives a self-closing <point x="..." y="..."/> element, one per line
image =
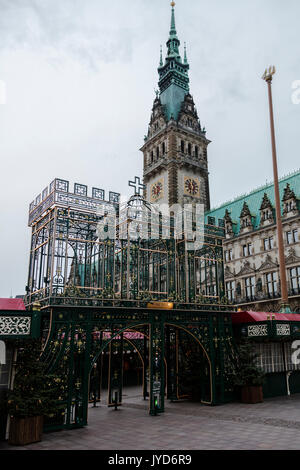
<point x="185" y="55"/>
<point x="227" y="217"/>
<point x="161" y="58"/>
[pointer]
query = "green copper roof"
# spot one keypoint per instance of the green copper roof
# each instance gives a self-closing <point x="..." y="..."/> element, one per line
<point x="254" y="200"/>
<point x="173" y="75"/>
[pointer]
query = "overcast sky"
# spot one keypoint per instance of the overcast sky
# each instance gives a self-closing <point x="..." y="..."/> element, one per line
<point x="80" y="78"/>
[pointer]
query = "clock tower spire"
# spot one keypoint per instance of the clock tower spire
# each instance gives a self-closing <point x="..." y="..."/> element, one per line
<point x="175" y="148"/>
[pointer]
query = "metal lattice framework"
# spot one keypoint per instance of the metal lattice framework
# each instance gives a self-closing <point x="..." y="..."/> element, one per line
<point x="78" y="337"/>
<point x="98" y="272"/>
<point x="139" y="255"/>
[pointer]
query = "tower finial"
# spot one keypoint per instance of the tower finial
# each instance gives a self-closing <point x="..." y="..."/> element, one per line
<point x="173" y="27"/>
<point x="161" y="58"/>
<point x="185" y="55"/>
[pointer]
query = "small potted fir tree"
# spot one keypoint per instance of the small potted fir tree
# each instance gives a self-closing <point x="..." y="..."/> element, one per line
<point x="247" y="376"/>
<point x="35" y="395"/>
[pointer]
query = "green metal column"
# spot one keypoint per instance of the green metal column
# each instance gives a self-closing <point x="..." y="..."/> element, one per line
<point x="115" y="371"/>
<point x="221" y="346"/>
<point x="212" y="360"/>
<point x="157" y="370"/>
<point x="70" y="376"/>
<point x="146" y="367"/>
<point x="87" y="368"/>
<point x="171" y="357"/>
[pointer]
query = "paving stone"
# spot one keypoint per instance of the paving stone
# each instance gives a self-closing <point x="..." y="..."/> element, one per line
<point x="273" y="424"/>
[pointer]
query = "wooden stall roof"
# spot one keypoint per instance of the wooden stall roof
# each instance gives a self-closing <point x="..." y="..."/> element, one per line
<point x="11" y="304"/>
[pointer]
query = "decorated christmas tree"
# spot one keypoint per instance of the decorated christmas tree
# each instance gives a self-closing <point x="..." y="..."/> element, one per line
<point x="35" y="392"/>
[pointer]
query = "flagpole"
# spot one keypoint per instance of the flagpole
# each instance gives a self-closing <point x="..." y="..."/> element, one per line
<point x="285" y="307"/>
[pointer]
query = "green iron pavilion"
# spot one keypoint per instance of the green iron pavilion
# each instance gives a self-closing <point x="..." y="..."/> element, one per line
<point x="104" y="273"/>
<point x="99" y="269"/>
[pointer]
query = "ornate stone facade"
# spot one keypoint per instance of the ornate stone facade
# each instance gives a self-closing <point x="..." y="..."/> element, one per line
<point x="250" y="247"/>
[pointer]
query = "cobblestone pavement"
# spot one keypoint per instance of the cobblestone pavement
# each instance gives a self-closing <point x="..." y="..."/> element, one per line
<point x="273" y="424"/>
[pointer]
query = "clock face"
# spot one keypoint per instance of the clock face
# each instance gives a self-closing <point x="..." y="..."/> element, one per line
<point x="191" y="186"/>
<point x="156" y="190"/>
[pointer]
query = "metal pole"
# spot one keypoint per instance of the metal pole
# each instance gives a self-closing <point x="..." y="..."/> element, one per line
<point x="285" y="308"/>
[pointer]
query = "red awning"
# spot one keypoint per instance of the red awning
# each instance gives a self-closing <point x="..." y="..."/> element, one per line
<point x="252" y="317"/>
<point x="12" y="304"/>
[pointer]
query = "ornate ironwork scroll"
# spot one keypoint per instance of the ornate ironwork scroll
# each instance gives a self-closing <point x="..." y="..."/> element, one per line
<point x="258" y="330"/>
<point x="157" y="370"/>
<point x="115" y="383"/>
<point x="171" y="340"/>
<point x="15" y="326"/>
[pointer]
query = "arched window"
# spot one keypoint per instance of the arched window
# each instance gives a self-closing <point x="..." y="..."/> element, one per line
<point x="190" y="149"/>
<point x="182" y="146"/>
<point x="152" y="157"/>
<point x="163" y="148"/>
<point x="196" y="151"/>
<point x="157" y="152"/>
<point x="289" y="206"/>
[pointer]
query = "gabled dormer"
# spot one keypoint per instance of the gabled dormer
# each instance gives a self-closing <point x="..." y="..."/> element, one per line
<point x="188" y="116"/>
<point x="246" y="224"/>
<point x="158" y="120"/>
<point x="290" y="206"/>
<point x="266" y="212"/>
<point x="228" y="225"/>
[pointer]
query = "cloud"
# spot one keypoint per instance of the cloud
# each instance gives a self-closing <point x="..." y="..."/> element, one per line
<point x="80" y="78"/>
<point x="63" y="29"/>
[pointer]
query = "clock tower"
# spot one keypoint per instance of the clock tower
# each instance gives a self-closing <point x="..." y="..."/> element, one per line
<point x="175" y="148"/>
